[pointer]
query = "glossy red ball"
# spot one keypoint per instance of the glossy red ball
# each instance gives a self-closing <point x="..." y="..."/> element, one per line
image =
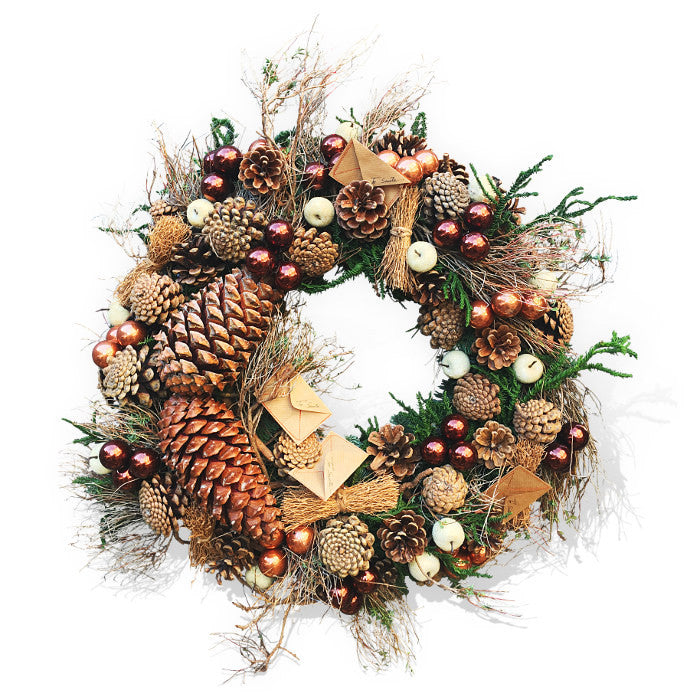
<point x="111" y="335"/>
<point x="114" y="455"/>
<point x="214" y="187"/>
<point x="463" y="456"/>
<point x="573" y="435"/>
<point x="272" y="540"/>
<point x="352" y="603"/>
<point x="455" y="427"/>
<point x="461" y="562"/>
<point x="260" y="262"/>
<point x="279" y="234"/>
<point x="534" y="306"/>
<point x="474" y="246"/>
<point x="316" y="176"/>
<point x="557" y="457"/>
<point x="446" y="234"/>
<point x="300" y="539"/>
<point x="288" y="276"/>
<point x="131" y="333"/>
<point x="506" y="304"/>
<point x="434" y="451"/>
<point x="336" y="594"/>
<point x="478" y="555"/>
<point x="227" y="160"/>
<point x="332" y="146"/>
<point x="478" y="215"/>
<point x="103" y="351"/>
<point x="366" y="581"/>
<point x="208" y="162"/>
<point x="143" y="463"/>
<point x="482" y="315"/>
<point x="273" y="562"/>
<point x="124" y="481"/>
<point x="258" y="143"/>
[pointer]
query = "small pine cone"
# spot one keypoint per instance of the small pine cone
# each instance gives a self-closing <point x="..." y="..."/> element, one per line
<point x="193" y="263"/>
<point x="537" y="420"/>
<point x="445" y="197"/>
<point x="444" y="490"/>
<point x="449" y="165"/>
<point x="262" y="169"/>
<point x="494" y="444"/>
<point x="429" y="290"/>
<point x="232" y="227"/>
<point x="386" y="572"/>
<point x="131" y="375"/>
<point x="393" y="451"/>
<point x="162" y="502"/>
<point x="445" y="324"/>
<point x="314" y="252"/>
<point x="345" y="545"/>
<point x="400" y="142"/>
<point x="476" y="397"/>
<point x="497" y="347"/>
<point x="288" y="455"/>
<point x="153" y="297"/>
<point x="162" y="208"/>
<point x="229" y="555"/>
<point x="403" y="536"/>
<point x="361" y="210"/>
<point x="557" y="325"/>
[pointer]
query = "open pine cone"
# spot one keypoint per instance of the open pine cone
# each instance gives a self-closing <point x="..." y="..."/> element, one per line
<point x="314" y="252"/>
<point x="361" y="210"/>
<point x="444" y="324"/>
<point x="557" y="324"/>
<point x="537" y="420"/>
<point x="193" y="262"/>
<point x="429" y="289"/>
<point x="162" y="502"/>
<point x="228" y="555"/>
<point x="393" y="451"/>
<point x="494" y="444"/>
<point x="131" y="375"/>
<point x="232" y="227"/>
<point x="476" y="397"/>
<point x="497" y="347"/>
<point x="400" y="142"/>
<point x="345" y="546"/>
<point x="450" y="165"/>
<point x="444" y="490"/>
<point x="445" y="197"/>
<point x="288" y="455"/>
<point x="403" y="537"/>
<point x="262" y="169"/>
<point x="153" y="297"/>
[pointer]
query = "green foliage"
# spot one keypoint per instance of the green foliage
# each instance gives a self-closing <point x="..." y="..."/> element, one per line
<point x="269" y="71"/>
<point x="380" y="612"/>
<point x="420" y="126"/>
<point x="567" y="208"/>
<point x="94" y="484"/>
<point x="284" y="138"/>
<point x="223" y="132"/>
<point x="455" y="291"/>
<point x="431" y="410"/>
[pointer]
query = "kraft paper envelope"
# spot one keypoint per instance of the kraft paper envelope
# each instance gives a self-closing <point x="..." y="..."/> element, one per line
<point x="357" y="162"/>
<point x="339" y="459"/>
<point x="299" y="411"/>
<point x="519" y="489"/>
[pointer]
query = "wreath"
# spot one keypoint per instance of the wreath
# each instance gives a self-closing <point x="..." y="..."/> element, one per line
<point x="210" y="430"/>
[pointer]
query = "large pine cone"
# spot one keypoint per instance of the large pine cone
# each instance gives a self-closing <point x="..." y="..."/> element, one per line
<point x="162" y="502"/>
<point x="262" y="169"/>
<point x="228" y="555"/>
<point x="537" y="420"/>
<point x="400" y="142"/>
<point x="130" y="375"/>
<point x="361" y="210"/>
<point x="557" y="325"/>
<point x="232" y="226"/>
<point x="209" y="340"/>
<point x="445" y="324"/>
<point x="153" y="297"/>
<point x="476" y="397"/>
<point x="207" y="447"/>
<point x="445" y="197"/>
<point x="494" y="444"/>
<point x="429" y="289"/>
<point x="497" y="347"/>
<point x="444" y="490"/>
<point x="288" y="455"/>
<point x="314" y="252"/>
<point x="403" y="536"/>
<point x="450" y="165"/>
<point x="345" y="545"/>
<point x="393" y="451"/>
<point x="193" y="262"/>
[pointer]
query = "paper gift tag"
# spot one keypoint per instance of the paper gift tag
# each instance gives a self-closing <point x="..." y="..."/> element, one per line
<point x="519" y="489"/>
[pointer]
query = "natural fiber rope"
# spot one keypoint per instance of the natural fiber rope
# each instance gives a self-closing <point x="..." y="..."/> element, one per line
<point x="401" y="231"/>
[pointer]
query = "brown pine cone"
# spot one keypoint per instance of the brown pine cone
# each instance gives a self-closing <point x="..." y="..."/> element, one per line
<point x="162" y="208"/>
<point x="262" y="169"/>
<point x="445" y="324"/>
<point x="314" y="252"/>
<point x="445" y="197"/>
<point x="345" y="546"/>
<point x="429" y="290"/>
<point x="232" y="227"/>
<point x="497" y="347"/>
<point x="154" y="297"/>
<point x="193" y="262"/>
<point x="386" y="572"/>
<point x="131" y="375"/>
<point x="228" y="555"/>
<point x="449" y="165"/>
<point x="288" y="455"/>
<point x="557" y="325"/>
<point x="162" y="503"/>
<point x="206" y="445"/>
<point x="494" y="444"/>
<point x="400" y="142"/>
<point x="444" y="490"/>
<point x="476" y="397"/>
<point x="393" y="452"/>
<point x="537" y="420"/>
<point x="403" y="537"/>
<point x="361" y="210"/>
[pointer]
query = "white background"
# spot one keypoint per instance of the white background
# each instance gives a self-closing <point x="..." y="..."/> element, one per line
<point x="609" y="88"/>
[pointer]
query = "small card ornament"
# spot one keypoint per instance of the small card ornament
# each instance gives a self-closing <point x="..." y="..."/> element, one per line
<point x="518" y="489"/>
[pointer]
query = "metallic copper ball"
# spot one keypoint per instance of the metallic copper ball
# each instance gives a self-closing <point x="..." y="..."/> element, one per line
<point x="534" y="306"/>
<point x="131" y="333"/>
<point x="389" y="157"/>
<point x="114" y="455"/>
<point x="434" y="451"/>
<point x="208" y="162"/>
<point x="482" y="315"/>
<point x="460" y="561"/>
<point x="103" y="351"/>
<point x="479" y="555"/>
<point x="411" y="169"/>
<point x="474" y="246"/>
<point x="272" y="540"/>
<point x="428" y="161"/>
<point x="279" y="234"/>
<point x="557" y="457"/>
<point x="273" y="562"/>
<point x="574" y="436"/>
<point x="143" y="463"/>
<point x="446" y="234"/>
<point x="214" y="187"/>
<point x="366" y="581"/>
<point x="478" y="215"/>
<point x="316" y="176"/>
<point x="335" y="595"/>
<point x="288" y="276"/>
<point x="111" y="334"/>
<point x="455" y="427"/>
<point x="352" y="603"/>
<point x="260" y="262"/>
<point x="332" y="146"/>
<point x="258" y="143"/>
<point x="300" y="539"/>
<point x="506" y="304"/>
<point x="124" y="481"/>
<point x="227" y="160"/>
<point x="463" y="456"/>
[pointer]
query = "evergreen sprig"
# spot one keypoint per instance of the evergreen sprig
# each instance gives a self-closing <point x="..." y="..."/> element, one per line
<point x="430" y="411"/>
<point x="566" y="209"/>
<point x="223" y="132"/>
<point x="420" y="126"/>
<point x="455" y="291"/>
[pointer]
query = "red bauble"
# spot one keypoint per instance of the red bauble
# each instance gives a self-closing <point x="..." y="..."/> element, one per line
<point x="366" y="581"/>
<point x="463" y="456"/>
<point x="316" y="176"/>
<point x="227" y="160"/>
<point x="208" y="162"/>
<point x="428" y="161"/>
<point x="114" y="455"/>
<point x="506" y="304"/>
<point x="446" y="234"/>
<point x="478" y="555"/>
<point x="103" y="351"/>
<point x="389" y="157"/>
<point x="273" y="540"/>
<point x="574" y="436"/>
<point x="124" y="481"/>
<point x="273" y="562"/>
<point x="332" y="146"/>
<point x="434" y="451"/>
<point x="482" y="315"/>
<point x="258" y="143"/>
<point x="143" y="463"/>
<point x="352" y="604"/>
<point x="557" y="457"/>
<point x="214" y="187"/>
<point x="279" y="234"/>
<point x="260" y="262"/>
<point x="111" y="335"/>
<point x="411" y="169"/>
<point x="337" y="594"/>
<point x="300" y="539"/>
<point x="474" y="246"/>
<point x="534" y="306"/>
<point x="478" y="215"/>
<point x="131" y="333"/>
<point x="288" y="276"/>
<point x="455" y="427"/>
<point x="333" y="161"/>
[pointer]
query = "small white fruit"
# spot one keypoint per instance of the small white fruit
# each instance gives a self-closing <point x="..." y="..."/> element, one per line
<point x="117" y="314"/>
<point x="198" y="211"/>
<point x="257" y="579"/>
<point x="94" y="460"/>
<point x="528" y="368"/>
<point x="455" y="364"/>
<point x="476" y="194"/>
<point x="448" y="534"/>
<point x="421" y="256"/>
<point x="348" y="130"/>
<point x="425" y="566"/>
<point x="546" y="280"/>
<point x="319" y="211"/>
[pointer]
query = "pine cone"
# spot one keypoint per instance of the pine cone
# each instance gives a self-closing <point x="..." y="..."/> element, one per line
<point x="386" y="572"/>
<point x="445" y="197"/>
<point x="557" y="325"/>
<point x="162" y="208"/>
<point x="403" y="536"/>
<point x="232" y="226"/>
<point x="449" y="165"/>
<point x="497" y="347"/>
<point x="314" y="252"/>
<point x="393" y="451"/>
<point x="209" y="340"/>
<point x="154" y="297"/>
<point x="537" y="420"/>
<point x="429" y="290"/>
<point x="494" y="443"/>
<point x="288" y="455"/>
<point x="262" y="169"/>
<point x="444" y="490"/>
<point x="345" y="545"/>
<point x="400" y="142"/>
<point x="193" y="262"/>
<point x="131" y="374"/>
<point x="361" y="210"/>
<point x="204" y="443"/>
<point x="476" y="397"/>
<point x="229" y="556"/>
<point x="445" y="324"/>
<point x="162" y="502"/>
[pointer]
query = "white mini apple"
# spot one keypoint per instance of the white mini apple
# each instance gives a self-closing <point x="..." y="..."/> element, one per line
<point x="257" y="579"/>
<point x="94" y="461"/>
<point x="117" y="314"/>
<point x="476" y="194"/>
<point x="424" y="567"/>
<point x="348" y="130"/>
<point x="421" y="256"/>
<point x="455" y="364"/>
<point x="546" y="280"/>
<point x="198" y="211"/>
<point x="319" y="211"/>
<point x="528" y="368"/>
<point x="448" y="534"/>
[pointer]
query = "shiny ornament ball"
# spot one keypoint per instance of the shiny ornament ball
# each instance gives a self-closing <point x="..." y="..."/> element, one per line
<point x="455" y="427"/>
<point x="424" y="567"/>
<point x="506" y="304"/>
<point x="131" y="333"/>
<point x="474" y="246"/>
<point x="214" y="187"/>
<point x="463" y="456"/>
<point x="366" y="581"/>
<point x="461" y="562"/>
<point x="528" y="368"/>
<point x="288" y="276"/>
<point x="258" y="143"/>
<point x="447" y="234"/>
<point x="117" y="314"/>
<point x="111" y="334"/>
<point x="198" y="211"/>
<point x="482" y="315"/>
<point x="273" y="562"/>
<point x="114" y="455"/>
<point x="428" y="161"/>
<point x="421" y="256"/>
<point x="103" y="351"/>
<point x="319" y="212"/>
<point x="300" y="539"/>
<point x="389" y="157"/>
<point x="557" y="457"/>
<point x="455" y="364"/>
<point x="272" y="540"/>
<point x="574" y="436"/>
<point x="336" y="594"/>
<point x="208" y="162"/>
<point x="348" y="130"/>
<point x="434" y="451"/>
<point x="143" y="463"/>
<point x="478" y="215"/>
<point x="352" y="603"/>
<point x="227" y="160"/>
<point x="534" y="306"/>
<point x="260" y="262"/>
<point x="332" y="146"/>
<point x="410" y="168"/>
<point x="315" y="176"/>
<point x="124" y="481"/>
<point x="448" y="534"/>
<point x="479" y="555"/>
<point x="279" y="234"/>
<point x="257" y="579"/>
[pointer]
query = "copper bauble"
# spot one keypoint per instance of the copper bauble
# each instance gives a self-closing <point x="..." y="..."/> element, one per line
<point x="272" y="540"/>
<point x="506" y="304"/>
<point x="482" y="315"/>
<point x="455" y="427"/>
<point x="478" y="215"/>
<point x="428" y="161"/>
<point x="258" y="143"/>
<point x="214" y="187"/>
<point x="300" y="539"/>
<point x="332" y="146"/>
<point x="463" y="456"/>
<point x="315" y="176"/>
<point x="288" y="276"/>
<point x="143" y="463"/>
<point x="131" y="333"/>
<point x="112" y="334"/>
<point x="279" y="234"/>
<point x="366" y="581"/>
<point x="474" y="246"/>
<point x="389" y="157"/>
<point x="352" y="603"/>
<point x="114" y="455"/>
<point x="534" y="306"/>
<point x="461" y="562"/>
<point x="434" y="451"/>
<point x="557" y="457"/>
<point x="227" y="160"/>
<point x="336" y="595"/>
<point x="124" y="481"/>
<point x="273" y="562"/>
<point x="478" y="555"/>
<point x="574" y="436"/>
<point x="260" y="262"/>
<point x="103" y="351"/>
<point x="411" y="169"/>
<point x="446" y="234"/>
<point x="208" y="162"/>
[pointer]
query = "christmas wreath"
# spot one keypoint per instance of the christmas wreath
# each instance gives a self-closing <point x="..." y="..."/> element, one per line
<point x="211" y="431"/>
